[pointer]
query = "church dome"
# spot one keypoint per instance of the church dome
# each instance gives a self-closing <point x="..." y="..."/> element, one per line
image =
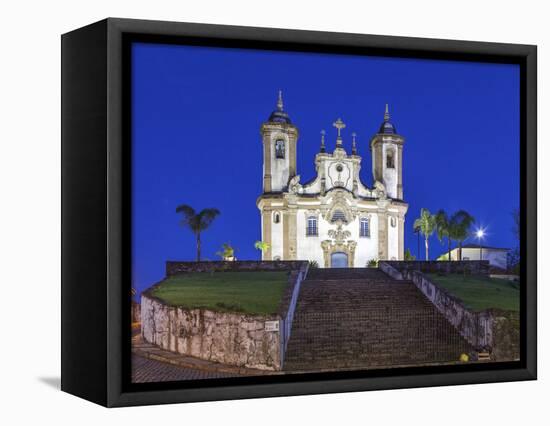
<point x="279" y="115"/>
<point x="387" y="128"/>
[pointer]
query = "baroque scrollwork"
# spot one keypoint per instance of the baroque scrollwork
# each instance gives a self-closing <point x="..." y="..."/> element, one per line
<point x="339" y="235"/>
<point x="294" y="184"/>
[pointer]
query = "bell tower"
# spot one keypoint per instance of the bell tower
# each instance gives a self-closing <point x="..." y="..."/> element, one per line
<point x="387" y="158"/>
<point x="279" y="137"/>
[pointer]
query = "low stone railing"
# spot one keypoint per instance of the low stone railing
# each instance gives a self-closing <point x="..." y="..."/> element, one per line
<point x="288" y="304"/>
<point x="473" y="267"/>
<point x="387" y="268"/>
<point x="178" y="267"/>
<point x="494" y="330"/>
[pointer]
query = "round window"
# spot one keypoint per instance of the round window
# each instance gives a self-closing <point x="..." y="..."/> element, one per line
<point x="339" y="168"/>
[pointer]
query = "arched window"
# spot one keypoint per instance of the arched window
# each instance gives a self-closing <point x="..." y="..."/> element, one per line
<point x="280" y="148"/>
<point x="338" y="215"/>
<point x="390" y="159"/>
<point x="393" y="222"/>
<point x="364" y="228"/>
<point x="311" y="229"/>
<point x="276" y="217"/>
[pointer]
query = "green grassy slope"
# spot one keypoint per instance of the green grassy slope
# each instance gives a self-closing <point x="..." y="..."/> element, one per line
<point x="479" y="293"/>
<point x="246" y="292"/>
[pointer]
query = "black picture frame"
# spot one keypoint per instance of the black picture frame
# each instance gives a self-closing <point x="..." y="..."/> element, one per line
<point x="96" y="211"/>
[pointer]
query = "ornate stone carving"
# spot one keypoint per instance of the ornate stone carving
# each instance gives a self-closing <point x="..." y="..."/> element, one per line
<point x="294" y="184"/>
<point x="329" y="247"/>
<point x="339" y="201"/>
<point x="339" y="235"/>
<point x="379" y="190"/>
<point x="339" y="243"/>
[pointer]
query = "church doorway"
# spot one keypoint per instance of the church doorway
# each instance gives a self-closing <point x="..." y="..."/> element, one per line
<point x="339" y="260"/>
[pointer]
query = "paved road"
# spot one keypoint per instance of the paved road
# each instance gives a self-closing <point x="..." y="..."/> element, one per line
<point x="148" y="370"/>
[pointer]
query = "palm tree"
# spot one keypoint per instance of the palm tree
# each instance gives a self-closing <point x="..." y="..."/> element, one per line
<point x="263" y="246"/>
<point x="443" y="224"/>
<point x="460" y="224"/>
<point x="426" y="224"/>
<point x="197" y="222"/>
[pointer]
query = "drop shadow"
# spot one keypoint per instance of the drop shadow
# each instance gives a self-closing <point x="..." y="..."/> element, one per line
<point x="54" y="382"/>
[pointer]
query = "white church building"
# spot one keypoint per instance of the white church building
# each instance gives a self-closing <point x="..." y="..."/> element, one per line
<point x="333" y="219"/>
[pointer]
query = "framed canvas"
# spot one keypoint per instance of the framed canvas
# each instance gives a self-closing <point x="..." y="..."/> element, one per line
<point x="254" y="212"/>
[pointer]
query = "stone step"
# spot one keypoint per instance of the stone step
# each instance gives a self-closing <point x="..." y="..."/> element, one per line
<point x="362" y="318"/>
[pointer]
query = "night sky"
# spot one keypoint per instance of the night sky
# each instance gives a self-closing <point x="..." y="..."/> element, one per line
<point x="197" y="113"/>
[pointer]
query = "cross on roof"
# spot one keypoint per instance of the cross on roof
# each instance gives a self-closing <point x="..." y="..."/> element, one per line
<point x="339" y="124"/>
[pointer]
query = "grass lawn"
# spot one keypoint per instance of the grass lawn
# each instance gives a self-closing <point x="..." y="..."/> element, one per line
<point x="246" y="292"/>
<point x="479" y="293"/>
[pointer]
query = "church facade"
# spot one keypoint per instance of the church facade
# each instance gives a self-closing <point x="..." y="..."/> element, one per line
<point x="333" y="219"/>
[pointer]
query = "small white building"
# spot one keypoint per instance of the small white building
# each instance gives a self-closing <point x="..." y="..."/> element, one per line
<point x="496" y="256"/>
<point x="334" y="218"/>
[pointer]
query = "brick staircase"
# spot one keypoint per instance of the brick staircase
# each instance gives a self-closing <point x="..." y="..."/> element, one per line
<point x="352" y="318"/>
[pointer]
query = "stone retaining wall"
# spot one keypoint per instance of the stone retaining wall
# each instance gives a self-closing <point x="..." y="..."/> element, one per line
<point x="228" y="338"/>
<point x="494" y="330"/>
<point x="473" y="267"/>
<point x="252" y="341"/>
<point x="176" y="267"/>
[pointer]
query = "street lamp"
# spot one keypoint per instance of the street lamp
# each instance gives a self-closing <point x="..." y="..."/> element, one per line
<point x="480" y="233"/>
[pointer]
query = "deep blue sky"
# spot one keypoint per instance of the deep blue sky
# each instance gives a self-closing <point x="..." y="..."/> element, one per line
<point x="196" y="117"/>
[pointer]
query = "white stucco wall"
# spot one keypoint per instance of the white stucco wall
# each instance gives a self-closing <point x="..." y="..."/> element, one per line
<point x="277" y="236"/>
<point x="334" y="176"/>
<point x="495" y="257"/>
<point x="393" y="239"/>
<point x="312" y="188"/>
<point x="309" y="247"/>
<point x="367" y="247"/>
<point x="362" y="191"/>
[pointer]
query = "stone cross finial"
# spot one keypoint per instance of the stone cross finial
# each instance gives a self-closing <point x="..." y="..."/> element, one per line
<point x="339" y="124"/>
<point x="280" y="101"/>
<point x="387" y="114"/>
<point x="323" y="140"/>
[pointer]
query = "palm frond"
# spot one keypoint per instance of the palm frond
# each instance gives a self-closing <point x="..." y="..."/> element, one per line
<point x="206" y="217"/>
<point x="442" y="225"/>
<point x="186" y="211"/>
<point x="461" y="222"/>
<point x="426" y="223"/>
